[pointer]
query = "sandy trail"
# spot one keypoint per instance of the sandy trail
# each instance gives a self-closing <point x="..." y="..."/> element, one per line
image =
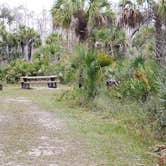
<point x="30" y="136"/>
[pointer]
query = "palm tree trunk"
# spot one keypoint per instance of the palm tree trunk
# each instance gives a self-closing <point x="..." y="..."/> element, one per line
<point x="22" y="49"/>
<point x="158" y="37"/>
<point x="29" y="50"/>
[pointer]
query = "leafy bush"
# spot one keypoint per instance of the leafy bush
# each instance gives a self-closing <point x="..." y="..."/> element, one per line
<point x="162" y="110"/>
<point x="2" y="72"/>
<point x="91" y="73"/>
<point x="134" y="88"/>
<point x="52" y="49"/>
<point x="88" y="63"/>
<point x="104" y="59"/>
<point x="138" y="78"/>
<point x="21" y="68"/>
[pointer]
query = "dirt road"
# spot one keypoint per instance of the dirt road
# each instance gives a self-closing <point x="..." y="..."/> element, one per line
<point x="30" y="136"/>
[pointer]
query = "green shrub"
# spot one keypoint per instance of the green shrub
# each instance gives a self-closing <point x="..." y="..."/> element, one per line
<point x="15" y="70"/>
<point x="134" y="88"/>
<point x="104" y="59"/>
<point x="138" y="78"/>
<point x="91" y="73"/>
<point x="162" y="110"/>
<point x="86" y="61"/>
<point x="2" y="72"/>
<point x="20" y="68"/>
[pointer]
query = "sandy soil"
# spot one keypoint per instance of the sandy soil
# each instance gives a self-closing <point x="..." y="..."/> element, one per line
<point x="30" y="136"/>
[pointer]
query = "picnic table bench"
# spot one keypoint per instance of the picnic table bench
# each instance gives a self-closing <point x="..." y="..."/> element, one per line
<point x="51" y="81"/>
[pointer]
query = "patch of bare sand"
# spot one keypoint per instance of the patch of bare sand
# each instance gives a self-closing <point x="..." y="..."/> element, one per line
<point x="30" y="136"/>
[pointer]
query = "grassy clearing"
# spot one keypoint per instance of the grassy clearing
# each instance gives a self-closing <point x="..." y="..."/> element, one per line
<point x="116" y="137"/>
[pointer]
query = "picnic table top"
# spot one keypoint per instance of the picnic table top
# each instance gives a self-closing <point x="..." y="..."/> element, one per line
<point x="39" y="77"/>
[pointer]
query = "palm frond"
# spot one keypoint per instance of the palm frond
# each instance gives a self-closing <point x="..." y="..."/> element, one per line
<point x="131" y="17"/>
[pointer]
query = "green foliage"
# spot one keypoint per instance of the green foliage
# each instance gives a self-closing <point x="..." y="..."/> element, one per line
<point x="102" y="34"/>
<point x="111" y="38"/>
<point x="53" y="38"/>
<point x="162" y="109"/>
<point x="69" y="74"/>
<point x="120" y="71"/>
<point x="92" y="73"/>
<point x="2" y="72"/>
<point x="104" y="59"/>
<point x="144" y="42"/>
<point x="21" y="68"/>
<point x="122" y="3"/>
<point x="139" y="61"/>
<point x="52" y="49"/>
<point x="134" y="88"/>
<point x="162" y="9"/>
<point x="88" y="67"/>
<point x="8" y="45"/>
<point x="113" y="35"/>
<point x="12" y="44"/>
<point x="80" y="14"/>
<point x="138" y="78"/>
<point x="87" y="63"/>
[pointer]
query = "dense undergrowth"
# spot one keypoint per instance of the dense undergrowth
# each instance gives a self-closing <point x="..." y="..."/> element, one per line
<point x="141" y="87"/>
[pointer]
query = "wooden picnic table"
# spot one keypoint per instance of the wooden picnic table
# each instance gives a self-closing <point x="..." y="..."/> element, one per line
<point x="51" y="81"/>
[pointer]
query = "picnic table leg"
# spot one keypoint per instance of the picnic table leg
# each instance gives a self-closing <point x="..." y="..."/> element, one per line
<point x="22" y="85"/>
<point x="1" y="87"/>
<point x="50" y="85"/>
<point x="27" y="86"/>
<point x="54" y="85"/>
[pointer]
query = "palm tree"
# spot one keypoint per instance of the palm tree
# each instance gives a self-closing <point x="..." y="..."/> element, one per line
<point x="33" y="39"/>
<point x="6" y="14"/>
<point x="8" y="44"/>
<point x="21" y="35"/>
<point x="28" y="37"/>
<point x="81" y="15"/>
<point x="160" y="27"/>
<point x="135" y="19"/>
<point x="62" y="15"/>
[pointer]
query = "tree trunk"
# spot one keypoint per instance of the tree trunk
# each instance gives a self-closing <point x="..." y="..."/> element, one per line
<point x="158" y="37"/>
<point x="22" y="49"/>
<point x="30" y="50"/>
